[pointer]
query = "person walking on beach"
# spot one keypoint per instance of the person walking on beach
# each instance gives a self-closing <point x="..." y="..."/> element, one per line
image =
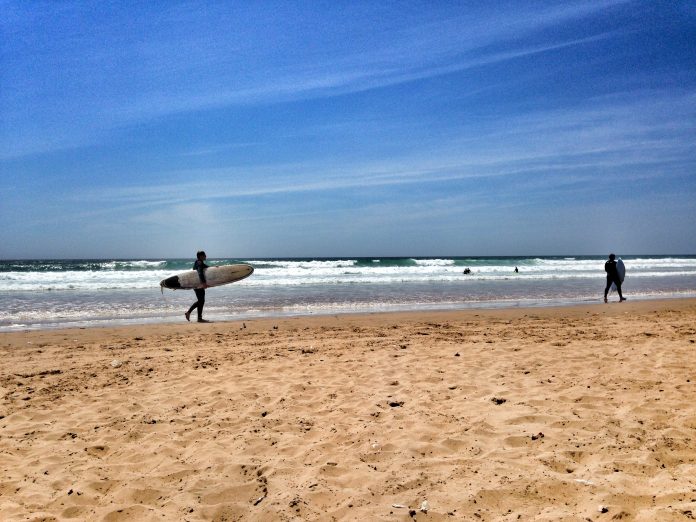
<point x="199" y="266"/>
<point x="612" y="277"/>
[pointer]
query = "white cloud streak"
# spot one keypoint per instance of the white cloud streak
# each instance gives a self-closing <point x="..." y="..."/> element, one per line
<point x="558" y="148"/>
<point x="211" y="74"/>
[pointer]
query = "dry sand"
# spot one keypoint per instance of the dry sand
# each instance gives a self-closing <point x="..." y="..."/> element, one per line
<point x="578" y="413"/>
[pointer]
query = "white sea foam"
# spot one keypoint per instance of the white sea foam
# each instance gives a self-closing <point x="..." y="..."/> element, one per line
<point x="94" y="292"/>
<point x="144" y="274"/>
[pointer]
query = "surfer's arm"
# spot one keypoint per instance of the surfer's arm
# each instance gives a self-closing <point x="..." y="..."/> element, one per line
<point x="200" y="268"/>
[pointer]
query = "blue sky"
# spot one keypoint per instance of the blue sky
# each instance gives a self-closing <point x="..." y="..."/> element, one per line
<point x="269" y="129"/>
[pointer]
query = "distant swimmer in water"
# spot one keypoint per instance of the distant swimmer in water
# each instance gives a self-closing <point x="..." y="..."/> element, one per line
<point x="516" y="270"/>
<point x="467" y="270"/>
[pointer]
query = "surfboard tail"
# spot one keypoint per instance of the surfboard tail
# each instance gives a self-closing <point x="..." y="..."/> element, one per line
<point x="172" y="283"/>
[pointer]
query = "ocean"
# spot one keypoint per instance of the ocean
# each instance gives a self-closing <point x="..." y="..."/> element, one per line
<point x="37" y="294"/>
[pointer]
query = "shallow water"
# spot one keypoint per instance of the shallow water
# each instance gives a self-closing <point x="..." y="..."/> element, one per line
<point x="45" y="294"/>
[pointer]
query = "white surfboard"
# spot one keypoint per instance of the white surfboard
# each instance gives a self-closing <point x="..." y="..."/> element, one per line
<point x="621" y="269"/>
<point x="214" y="275"/>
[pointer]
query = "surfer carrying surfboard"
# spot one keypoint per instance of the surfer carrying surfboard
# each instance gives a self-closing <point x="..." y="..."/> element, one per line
<point x="613" y="277"/>
<point x="199" y="266"/>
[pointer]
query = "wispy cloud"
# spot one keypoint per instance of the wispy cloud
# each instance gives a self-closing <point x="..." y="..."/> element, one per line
<point x="541" y="152"/>
<point x="423" y="52"/>
<point x="153" y="78"/>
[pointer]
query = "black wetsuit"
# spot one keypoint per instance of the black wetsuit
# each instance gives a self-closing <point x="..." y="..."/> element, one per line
<point x="612" y="277"/>
<point x="200" y="267"/>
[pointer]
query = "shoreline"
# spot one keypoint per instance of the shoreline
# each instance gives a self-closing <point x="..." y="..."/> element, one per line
<point x="538" y="413"/>
<point x="275" y="316"/>
<point x="79" y="293"/>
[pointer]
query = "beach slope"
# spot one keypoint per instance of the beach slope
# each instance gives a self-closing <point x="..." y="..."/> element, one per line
<point x="569" y="413"/>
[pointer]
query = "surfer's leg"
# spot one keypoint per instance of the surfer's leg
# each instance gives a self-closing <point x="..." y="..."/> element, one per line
<point x="618" y="289"/>
<point x="193" y="307"/>
<point x="606" y="290"/>
<point x="198" y="304"/>
<point x="200" y="294"/>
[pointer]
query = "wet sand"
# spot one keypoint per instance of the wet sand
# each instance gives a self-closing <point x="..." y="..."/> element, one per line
<point x="569" y="413"/>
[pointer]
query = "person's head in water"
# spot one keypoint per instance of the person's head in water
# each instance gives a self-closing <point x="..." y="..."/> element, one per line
<point x="201" y="255"/>
<point x="611" y="256"/>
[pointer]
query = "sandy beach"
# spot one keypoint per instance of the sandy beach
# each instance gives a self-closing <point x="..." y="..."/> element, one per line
<point x="570" y="413"/>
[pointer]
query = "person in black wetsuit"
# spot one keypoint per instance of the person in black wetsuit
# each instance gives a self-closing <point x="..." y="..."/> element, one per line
<point x="200" y="267"/>
<point x="612" y="277"/>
